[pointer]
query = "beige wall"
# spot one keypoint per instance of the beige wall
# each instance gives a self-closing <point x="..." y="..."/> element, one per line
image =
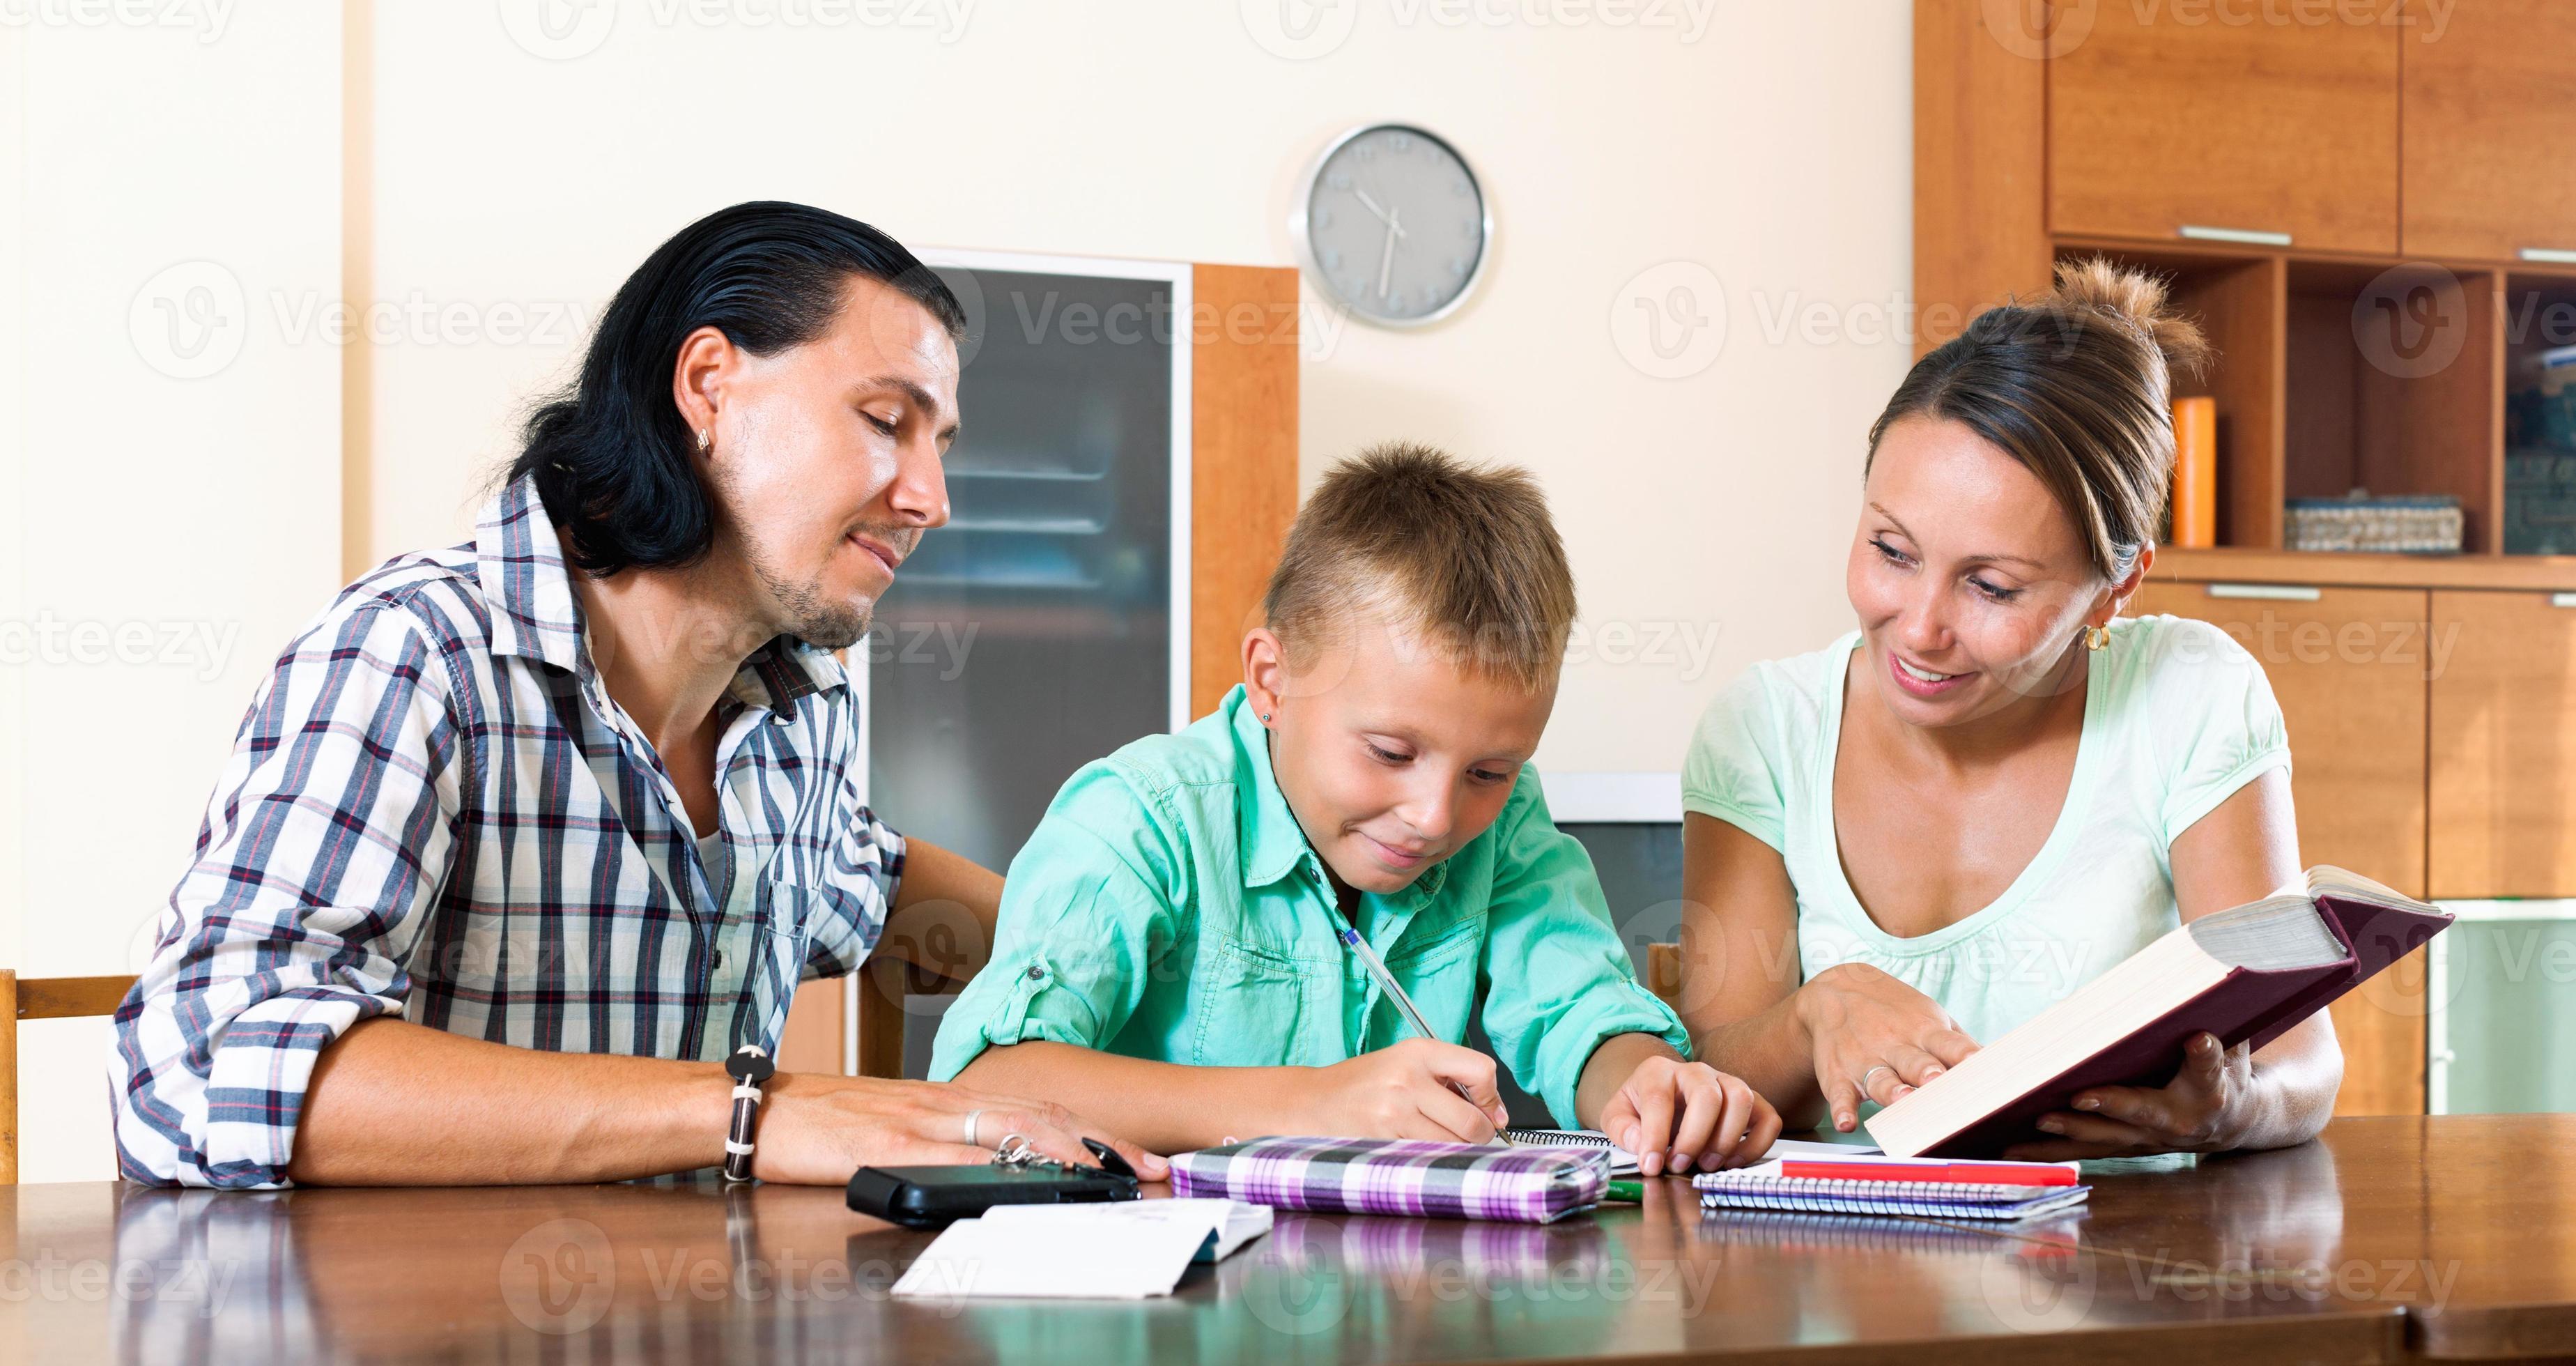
<point x="1774" y="150"/>
<point x="514" y="183"/>
<point x="170" y="469"/>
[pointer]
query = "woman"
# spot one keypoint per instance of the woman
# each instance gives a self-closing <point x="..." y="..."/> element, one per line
<point x="1912" y="841"/>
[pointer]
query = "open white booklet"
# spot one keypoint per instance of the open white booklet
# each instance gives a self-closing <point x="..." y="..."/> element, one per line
<point x="1623" y="1163"/>
<point x="1126" y="1249"/>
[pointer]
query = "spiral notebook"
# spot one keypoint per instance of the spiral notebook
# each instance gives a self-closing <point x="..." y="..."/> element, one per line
<point x="1766" y="1187"/>
<point x="1622" y="1161"/>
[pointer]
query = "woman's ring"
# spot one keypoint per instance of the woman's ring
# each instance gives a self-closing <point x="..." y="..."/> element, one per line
<point x="1865" y="1076"/>
<point x="972" y="1117"/>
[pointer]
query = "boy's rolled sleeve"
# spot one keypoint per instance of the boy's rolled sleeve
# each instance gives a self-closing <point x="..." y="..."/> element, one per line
<point x="1085" y="914"/>
<point x="1558" y="982"/>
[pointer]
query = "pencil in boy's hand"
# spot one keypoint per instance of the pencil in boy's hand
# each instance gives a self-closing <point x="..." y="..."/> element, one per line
<point x="1376" y="967"/>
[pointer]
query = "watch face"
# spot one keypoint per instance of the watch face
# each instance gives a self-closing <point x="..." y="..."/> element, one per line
<point x="1394" y="225"/>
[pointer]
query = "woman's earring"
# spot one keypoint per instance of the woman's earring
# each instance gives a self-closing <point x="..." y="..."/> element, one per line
<point x="706" y="440"/>
<point x="2095" y="637"/>
<point x="1265" y="718"/>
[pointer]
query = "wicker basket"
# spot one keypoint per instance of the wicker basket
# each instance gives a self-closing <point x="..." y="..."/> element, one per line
<point x="2429" y="524"/>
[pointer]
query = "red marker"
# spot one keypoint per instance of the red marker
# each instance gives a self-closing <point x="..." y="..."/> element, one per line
<point x="1956" y="1173"/>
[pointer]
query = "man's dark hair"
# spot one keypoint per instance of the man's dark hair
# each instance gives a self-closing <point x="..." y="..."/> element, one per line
<point x="611" y="454"/>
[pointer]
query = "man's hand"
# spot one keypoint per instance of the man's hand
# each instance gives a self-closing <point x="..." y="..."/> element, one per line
<point x="1410" y="1090"/>
<point x="815" y="1129"/>
<point x="1674" y="1115"/>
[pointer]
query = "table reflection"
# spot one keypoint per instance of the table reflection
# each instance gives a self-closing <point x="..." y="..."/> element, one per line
<point x="686" y="1268"/>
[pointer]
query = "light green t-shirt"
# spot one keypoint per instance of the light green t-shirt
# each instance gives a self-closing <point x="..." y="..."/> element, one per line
<point x="2177" y="716"/>
<point x="1168" y="907"/>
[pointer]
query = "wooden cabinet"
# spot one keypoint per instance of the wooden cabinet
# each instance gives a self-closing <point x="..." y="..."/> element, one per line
<point x="2348" y="668"/>
<point x="2503" y="731"/>
<point x="2490" y="132"/>
<point x="2167" y="117"/>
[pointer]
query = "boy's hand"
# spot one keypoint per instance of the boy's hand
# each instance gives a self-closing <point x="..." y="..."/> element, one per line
<point x="1674" y="1114"/>
<point x="1410" y="1090"/>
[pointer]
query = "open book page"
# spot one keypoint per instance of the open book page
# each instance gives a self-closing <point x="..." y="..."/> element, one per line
<point x="2328" y="880"/>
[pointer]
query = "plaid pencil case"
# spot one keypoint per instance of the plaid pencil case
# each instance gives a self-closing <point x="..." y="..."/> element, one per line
<point x="1524" y="1185"/>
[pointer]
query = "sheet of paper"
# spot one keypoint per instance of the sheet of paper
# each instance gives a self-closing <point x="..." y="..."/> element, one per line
<point x="1231" y="1222"/>
<point x="1803" y="1148"/>
<point x="1120" y="1250"/>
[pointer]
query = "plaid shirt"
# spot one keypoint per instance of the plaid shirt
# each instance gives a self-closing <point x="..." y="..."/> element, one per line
<point x="434" y="810"/>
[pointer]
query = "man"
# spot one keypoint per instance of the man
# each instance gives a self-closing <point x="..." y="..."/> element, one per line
<point x="523" y="838"/>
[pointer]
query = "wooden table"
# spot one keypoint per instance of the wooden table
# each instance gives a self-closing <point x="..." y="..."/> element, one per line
<point x="2389" y="1239"/>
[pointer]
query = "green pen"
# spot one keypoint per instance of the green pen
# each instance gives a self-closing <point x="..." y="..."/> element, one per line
<point x="1630" y="1192"/>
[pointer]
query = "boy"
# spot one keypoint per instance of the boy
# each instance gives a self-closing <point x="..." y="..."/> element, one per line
<point x="1167" y="959"/>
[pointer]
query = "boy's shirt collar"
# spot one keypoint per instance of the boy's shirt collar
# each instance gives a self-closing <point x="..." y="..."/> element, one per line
<point x="1273" y="844"/>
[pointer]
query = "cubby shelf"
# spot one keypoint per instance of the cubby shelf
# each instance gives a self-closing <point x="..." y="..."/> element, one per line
<point x="2337" y="371"/>
<point x="2541" y="573"/>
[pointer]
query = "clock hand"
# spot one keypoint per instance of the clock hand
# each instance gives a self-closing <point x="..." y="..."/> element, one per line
<point x="1386" y="259"/>
<point x="1372" y="205"/>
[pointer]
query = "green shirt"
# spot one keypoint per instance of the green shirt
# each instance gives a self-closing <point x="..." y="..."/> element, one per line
<point x="1168" y="907"/>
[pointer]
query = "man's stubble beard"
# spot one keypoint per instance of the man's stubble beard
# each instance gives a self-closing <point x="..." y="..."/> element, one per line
<point x="813" y="617"/>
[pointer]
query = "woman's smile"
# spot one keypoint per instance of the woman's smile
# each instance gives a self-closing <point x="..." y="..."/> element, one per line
<point x="1922" y="682"/>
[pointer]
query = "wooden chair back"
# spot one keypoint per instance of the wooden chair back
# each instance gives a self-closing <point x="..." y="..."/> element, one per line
<point x="41" y="998"/>
<point x="884" y="982"/>
<point x="1664" y="973"/>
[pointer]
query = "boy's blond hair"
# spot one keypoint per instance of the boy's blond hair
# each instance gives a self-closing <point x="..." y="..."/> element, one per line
<point x="1466" y="559"/>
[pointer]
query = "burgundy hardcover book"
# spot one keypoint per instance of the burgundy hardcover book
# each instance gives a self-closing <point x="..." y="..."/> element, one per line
<point x="2242" y="974"/>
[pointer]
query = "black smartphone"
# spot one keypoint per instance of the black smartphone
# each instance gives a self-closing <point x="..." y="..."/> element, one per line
<point x="928" y="1197"/>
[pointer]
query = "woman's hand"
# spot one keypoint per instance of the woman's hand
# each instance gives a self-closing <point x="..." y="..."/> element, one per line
<point x="1410" y="1090"/>
<point x="1874" y="1037"/>
<point x="1673" y="1114"/>
<point x="815" y="1129"/>
<point x="2208" y="1107"/>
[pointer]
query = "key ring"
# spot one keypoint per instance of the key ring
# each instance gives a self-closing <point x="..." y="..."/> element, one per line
<point x="1015" y="1150"/>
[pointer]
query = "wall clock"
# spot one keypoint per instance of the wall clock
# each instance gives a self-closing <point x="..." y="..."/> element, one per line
<point x="1392" y="224"/>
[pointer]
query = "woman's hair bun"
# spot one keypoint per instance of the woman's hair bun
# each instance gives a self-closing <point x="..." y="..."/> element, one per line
<point x="2076" y="385"/>
<point x="2133" y="296"/>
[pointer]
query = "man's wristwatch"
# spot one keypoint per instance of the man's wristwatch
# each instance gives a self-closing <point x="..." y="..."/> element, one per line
<point x="749" y="1067"/>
